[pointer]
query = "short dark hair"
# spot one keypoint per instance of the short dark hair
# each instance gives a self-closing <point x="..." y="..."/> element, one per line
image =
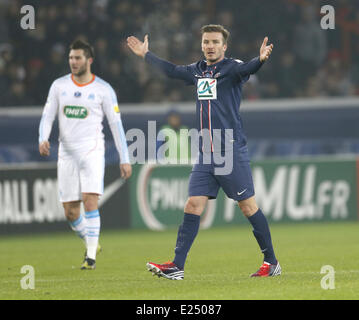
<point x="86" y="47"/>
<point x="216" y="28"/>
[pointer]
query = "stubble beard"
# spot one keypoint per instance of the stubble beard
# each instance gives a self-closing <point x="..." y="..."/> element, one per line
<point x="81" y="72"/>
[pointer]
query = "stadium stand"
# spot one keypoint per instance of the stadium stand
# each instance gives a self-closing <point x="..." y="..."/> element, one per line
<point x="305" y="63"/>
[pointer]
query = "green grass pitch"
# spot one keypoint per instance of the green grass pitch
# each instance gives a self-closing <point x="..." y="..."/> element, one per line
<point x="218" y="266"/>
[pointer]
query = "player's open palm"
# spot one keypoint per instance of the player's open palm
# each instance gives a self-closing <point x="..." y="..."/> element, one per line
<point x="137" y="46"/>
<point x="265" y="50"/>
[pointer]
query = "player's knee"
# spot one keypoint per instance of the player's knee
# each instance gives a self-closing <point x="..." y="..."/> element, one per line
<point x="248" y="208"/>
<point x="90" y="202"/>
<point x="90" y="206"/>
<point x="193" y="206"/>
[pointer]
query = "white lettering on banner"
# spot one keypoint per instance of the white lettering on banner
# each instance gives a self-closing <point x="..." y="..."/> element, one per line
<point x="6" y="201"/>
<point x="160" y="193"/>
<point x="14" y="202"/>
<point x="45" y="200"/>
<point x="271" y="199"/>
<point x="306" y="209"/>
<point x="341" y="193"/>
<point x="279" y="196"/>
<point x="229" y="206"/>
<point x="168" y="193"/>
<point x="323" y="197"/>
<point x="308" y="190"/>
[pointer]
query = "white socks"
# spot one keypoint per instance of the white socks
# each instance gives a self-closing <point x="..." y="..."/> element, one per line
<point x="88" y="229"/>
<point x="93" y="232"/>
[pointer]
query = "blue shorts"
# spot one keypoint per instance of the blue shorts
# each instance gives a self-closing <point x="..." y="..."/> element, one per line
<point x="237" y="184"/>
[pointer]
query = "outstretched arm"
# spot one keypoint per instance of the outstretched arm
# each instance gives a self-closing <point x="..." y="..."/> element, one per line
<point x="140" y="49"/>
<point x="244" y="70"/>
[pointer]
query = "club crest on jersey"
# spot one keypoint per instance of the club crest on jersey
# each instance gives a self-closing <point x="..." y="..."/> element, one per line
<point x="207" y="89"/>
<point x="77" y="94"/>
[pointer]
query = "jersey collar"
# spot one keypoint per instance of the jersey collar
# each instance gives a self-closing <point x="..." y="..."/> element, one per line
<point x="82" y="84"/>
<point x="216" y="64"/>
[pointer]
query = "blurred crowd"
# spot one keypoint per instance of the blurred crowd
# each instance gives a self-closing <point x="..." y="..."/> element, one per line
<point x="306" y="61"/>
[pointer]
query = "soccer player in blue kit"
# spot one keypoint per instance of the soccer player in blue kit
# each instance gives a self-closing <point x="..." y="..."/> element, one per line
<point x="218" y="80"/>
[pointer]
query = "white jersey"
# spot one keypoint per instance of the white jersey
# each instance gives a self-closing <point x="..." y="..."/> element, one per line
<point x="80" y="110"/>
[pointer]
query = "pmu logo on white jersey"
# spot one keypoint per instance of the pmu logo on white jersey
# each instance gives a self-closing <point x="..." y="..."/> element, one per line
<point x="77" y="112"/>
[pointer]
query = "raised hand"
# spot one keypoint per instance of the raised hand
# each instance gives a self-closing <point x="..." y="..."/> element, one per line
<point x="137" y="46"/>
<point x="265" y="51"/>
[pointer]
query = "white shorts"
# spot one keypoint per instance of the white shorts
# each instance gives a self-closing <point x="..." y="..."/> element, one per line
<point x="80" y="169"/>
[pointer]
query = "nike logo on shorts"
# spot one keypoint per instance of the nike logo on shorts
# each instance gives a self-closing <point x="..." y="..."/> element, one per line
<point x="239" y="193"/>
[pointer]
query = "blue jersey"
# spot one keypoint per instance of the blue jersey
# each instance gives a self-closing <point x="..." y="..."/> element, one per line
<point x="219" y="96"/>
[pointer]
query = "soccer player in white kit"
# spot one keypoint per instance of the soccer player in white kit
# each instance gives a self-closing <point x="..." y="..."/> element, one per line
<point x="80" y="100"/>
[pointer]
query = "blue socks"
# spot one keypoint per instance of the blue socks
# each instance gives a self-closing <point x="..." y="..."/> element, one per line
<point x="262" y="234"/>
<point x="187" y="232"/>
